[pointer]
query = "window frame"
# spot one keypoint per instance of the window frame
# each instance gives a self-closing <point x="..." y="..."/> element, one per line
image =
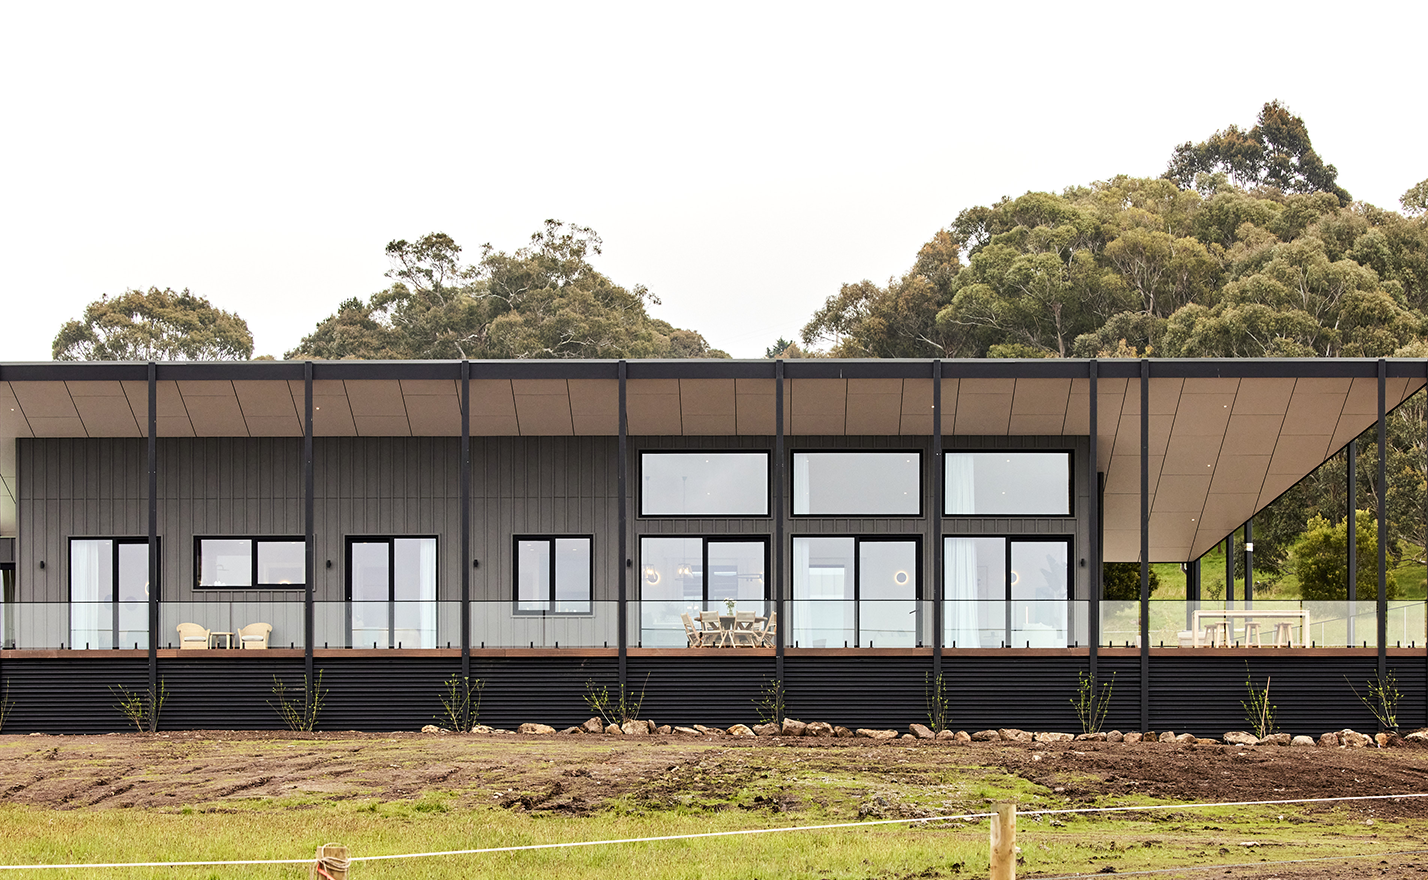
<point x="1068" y="540"/>
<point x="253" y="542"/>
<point x="921" y="486"/>
<point x="857" y="600"/>
<point x="391" y="542"/>
<point x="768" y="483"/>
<point x="1070" y="484"/>
<point x="114" y="542"/>
<point x="757" y="538"/>
<point x="516" y="577"/>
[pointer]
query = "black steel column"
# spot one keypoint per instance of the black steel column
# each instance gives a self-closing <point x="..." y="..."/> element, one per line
<point x="1382" y="610"/>
<point x="309" y="630"/>
<point x="1351" y="521"/>
<point x="1249" y="562"/>
<point x="623" y="491"/>
<point x="1093" y="515"/>
<point x="1145" y="545"/>
<point x="778" y="521"/>
<point x="154" y="580"/>
<point x="938" y="489"/>
<point x="1229" y="568"/>
<point x="466" y="562"/>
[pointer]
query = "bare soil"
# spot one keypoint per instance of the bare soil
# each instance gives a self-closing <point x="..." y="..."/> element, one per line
<point x="825" y="779"/>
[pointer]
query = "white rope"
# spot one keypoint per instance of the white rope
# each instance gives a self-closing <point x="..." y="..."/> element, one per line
<point x="830" y="826"/>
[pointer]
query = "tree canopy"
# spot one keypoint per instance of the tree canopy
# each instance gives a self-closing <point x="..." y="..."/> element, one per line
<point x="543" y="301"/>
<point x="158" y="325"/>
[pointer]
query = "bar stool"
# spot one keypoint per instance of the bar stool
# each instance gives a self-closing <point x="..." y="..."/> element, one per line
<point x="1217" y="634"/>
<point x="1283" y="635"/>
<point x="1252" y="629"/>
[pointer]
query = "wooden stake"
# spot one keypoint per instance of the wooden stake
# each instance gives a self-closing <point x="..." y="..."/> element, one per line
<point x="1003" y="844"/>
<point x="331" y="863"/>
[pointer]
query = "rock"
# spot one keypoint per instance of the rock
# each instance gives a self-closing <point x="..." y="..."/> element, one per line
<point x="431" y="728"/>
<point x="635" y="728"/>
<point x="1353" y="739"/>
<point x="686" y="731"/>
<point x="709" y="731"/>
<point x="481" y="728"/>
<point x="819" y="728"/>
<point x="1048" y="736"/>
<point x="1115" y="736"/>
<point x="502" y="730"/>
<point x="613" y="729"/>
<point x="1205" y="741"/>
<point x="1417" y="739"/>
<point x="1167" y="737"/>
<point x="1149" y="736"/>
<point x="792" y="727"/>
<point x="842" y="732"/>
<point x="664" y="730"/>
<point x="651" y="725"/>
<point x="876" y="734"/>
<point x="1012" y="734"/>
<point x="1186" y="738"/>
<point x="908" y="736"/>
<point x="983" y="736"/>
<point x="593" y="726"/>
<point x="535" y="729"/>
<point x="921" y="731"/>
<point x="1276" y="739"/>
<point x="574" y="730"/>
<point x="1240" y="738"/>
<point x="1390" y="741"/>
<point x="1302" y="741"/>
<point x="1131" y="738"/>
<point x="766" y="729"/>
<point x="962" y="736"/>
<point x="1097" y="737"/>
<point x="740" y="730"/>
<point x="1329" y="740"/>
<point x="946" y="735"/>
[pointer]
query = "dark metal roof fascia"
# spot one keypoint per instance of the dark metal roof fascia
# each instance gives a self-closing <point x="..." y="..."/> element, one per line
<point x="802" y="368"/>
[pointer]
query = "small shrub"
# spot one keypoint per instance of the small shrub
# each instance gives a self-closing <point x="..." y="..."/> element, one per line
<point x="6" y="704"/>
<point x="939" y="710"/>
<point x="142" y="708"/>
<point x="770" y="702"/>
<point x="1259" y="713"/>
<point x="461" y="702"/>
<point x="299" y="713"/>
<point x="1092" y="703"/>
<point x="625" y="706"/>
<point x="1382" y="700"/>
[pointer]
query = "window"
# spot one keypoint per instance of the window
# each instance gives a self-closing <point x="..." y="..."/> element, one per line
<point x="859" y="592"/>
<point x="688" y="575"/>
<point x="250" y="563"/>
<point x="857" y="483"/>
<point x="1006" y="591"/>
<point x="696" y="483"/>
<point x="553" y="575"/>
<point x="391" y="592"/>
<point x="1008" y="483"/>
<point x="109" y="592"/>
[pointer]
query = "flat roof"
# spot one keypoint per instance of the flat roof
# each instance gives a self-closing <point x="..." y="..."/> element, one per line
<point x="1227" y="436"/>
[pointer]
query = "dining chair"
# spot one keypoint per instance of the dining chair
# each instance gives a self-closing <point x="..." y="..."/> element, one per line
<point x="768" y="634"/>
<point x="711" y="632"/>
<point x="691" y="634"/>
<point x="743" y="632"/>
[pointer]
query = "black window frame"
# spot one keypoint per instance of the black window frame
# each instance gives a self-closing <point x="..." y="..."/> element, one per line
<point x="114" y="542"/>
<point x="516" y="577"/>
<point x="857" y="600"/>
<point x="768" y="483"/>
<point x="921" y="486"/>
<point x="705" y="540"/>
<point x="1007" y="539"/>
<point x="253" y="541"/>
<point x="1070" y="484"/>
<point x="391" y="600"/>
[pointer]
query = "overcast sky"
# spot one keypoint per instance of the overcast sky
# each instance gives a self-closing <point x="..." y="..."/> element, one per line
<point x="741" y="160"/>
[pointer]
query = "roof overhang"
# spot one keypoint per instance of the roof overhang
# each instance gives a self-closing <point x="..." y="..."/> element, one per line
<point x="1226" y="436"/>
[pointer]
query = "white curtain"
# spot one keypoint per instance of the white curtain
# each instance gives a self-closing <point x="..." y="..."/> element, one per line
<point x="961" y="487"/>
<point x="91" y="570"/>
<point x="960" y="579"/>
<point x="426" y="580"/>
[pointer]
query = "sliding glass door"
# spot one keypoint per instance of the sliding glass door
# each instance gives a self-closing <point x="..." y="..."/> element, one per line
<point x="109" y="592"/>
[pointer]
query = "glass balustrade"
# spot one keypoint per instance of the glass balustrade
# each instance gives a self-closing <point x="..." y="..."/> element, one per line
<point x="1264" y="623"/>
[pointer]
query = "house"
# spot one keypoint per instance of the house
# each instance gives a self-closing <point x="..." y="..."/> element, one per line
<point x="546" y="526"/>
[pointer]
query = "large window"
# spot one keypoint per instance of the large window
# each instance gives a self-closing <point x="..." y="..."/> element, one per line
<point x="391" y="592"/>
<point x="857" y="483"/>
<point x="1006" y="591"/>
<point x="250" y="563"/>
<point x="856" y="592"/>
<point x="109" y="592"/>
<point x="689" y="575"/>
<point x="1008" y="483"/>
<point x="697" y="483"/>
<point x="553" y="575"/>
